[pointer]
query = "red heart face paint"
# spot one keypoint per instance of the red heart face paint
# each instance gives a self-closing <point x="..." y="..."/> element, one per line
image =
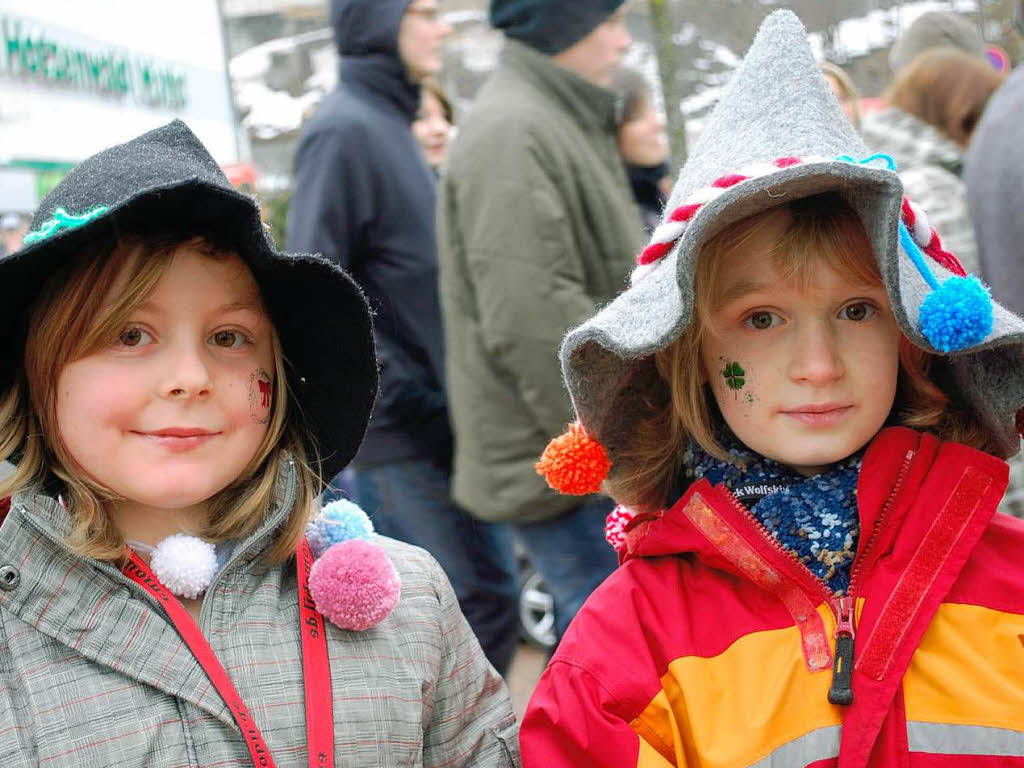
<point x="261" y="391"/>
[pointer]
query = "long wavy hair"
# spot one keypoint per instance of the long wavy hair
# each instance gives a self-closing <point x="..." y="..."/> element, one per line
<point x="73" y="317"/>
<point x="820" y="229"/>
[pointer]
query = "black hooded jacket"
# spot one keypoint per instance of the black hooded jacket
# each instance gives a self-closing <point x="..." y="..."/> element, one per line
<point x="365" y="198"/>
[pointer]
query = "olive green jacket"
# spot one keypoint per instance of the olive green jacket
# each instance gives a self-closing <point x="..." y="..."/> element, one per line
<point x="537" y="228"/>
<point x="93" y="675"/>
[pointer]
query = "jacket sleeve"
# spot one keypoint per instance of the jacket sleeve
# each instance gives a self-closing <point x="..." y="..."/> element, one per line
<point x="527" y="273"/>
<point x="405" y="396"/>
<point x="17" y="745"/>
<point x="571" y="720"/>
<point x="332" y="204"/>
<point x="471" y="722"/>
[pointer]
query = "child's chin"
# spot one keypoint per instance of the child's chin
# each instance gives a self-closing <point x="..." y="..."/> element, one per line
<point x="823" y="454"/>
<point x="170" y="495"/>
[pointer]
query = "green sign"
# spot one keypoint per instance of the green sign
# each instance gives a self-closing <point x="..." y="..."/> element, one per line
<point x="30" y="53"/>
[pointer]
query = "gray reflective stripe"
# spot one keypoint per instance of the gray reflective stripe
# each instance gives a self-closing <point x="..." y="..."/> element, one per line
<point x="942" y="738"/>
<point x="816" y="745"/>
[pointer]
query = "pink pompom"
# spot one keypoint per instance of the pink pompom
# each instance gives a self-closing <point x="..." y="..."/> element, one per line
<point x="354" y="584"/>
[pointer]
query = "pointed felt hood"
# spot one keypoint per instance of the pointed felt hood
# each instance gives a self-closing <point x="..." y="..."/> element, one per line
<point x="778" y="134"/>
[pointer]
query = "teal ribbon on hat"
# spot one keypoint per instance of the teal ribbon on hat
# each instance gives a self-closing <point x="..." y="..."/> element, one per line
<point x="957" y="314"/>
<point x="61" y="220"/>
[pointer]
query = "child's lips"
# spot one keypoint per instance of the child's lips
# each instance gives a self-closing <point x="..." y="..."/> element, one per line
<point x="823" y="415"/>
<point x="178" y="439"/>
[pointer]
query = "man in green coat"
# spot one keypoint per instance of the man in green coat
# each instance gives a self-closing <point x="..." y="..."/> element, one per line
<point x="537" y="228"/>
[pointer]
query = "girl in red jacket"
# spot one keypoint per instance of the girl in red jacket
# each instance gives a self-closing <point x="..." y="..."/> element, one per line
<point x="802" y="404"/>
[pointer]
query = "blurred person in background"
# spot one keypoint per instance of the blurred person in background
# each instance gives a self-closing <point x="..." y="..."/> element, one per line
<point x="432" y="126"/>
<point x="994" y="174"/>
<point x="537" y="228"/>
<point x="844" y="90"/>
<point x="907" y="135"/>
<point x="931" y="110"/>
<point x="643" y="145"/>
<point x="12" y="229"/>
<point x="365" y="198"/>
<point x="936" y="29"/>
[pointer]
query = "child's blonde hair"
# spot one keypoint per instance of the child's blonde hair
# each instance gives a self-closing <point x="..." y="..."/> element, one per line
<point x="820" y="229"/>
<point x="70" y="320"/>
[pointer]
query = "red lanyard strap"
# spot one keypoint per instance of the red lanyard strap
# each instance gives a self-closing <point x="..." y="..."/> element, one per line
<point x="315" y="663"/>
<point x="316" y="669"/>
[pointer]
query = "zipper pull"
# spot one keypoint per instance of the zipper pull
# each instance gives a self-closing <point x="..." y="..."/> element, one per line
<point x="842" y="666"/>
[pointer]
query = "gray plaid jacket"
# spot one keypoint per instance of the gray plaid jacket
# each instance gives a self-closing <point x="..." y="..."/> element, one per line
<point x="92" y="673"/>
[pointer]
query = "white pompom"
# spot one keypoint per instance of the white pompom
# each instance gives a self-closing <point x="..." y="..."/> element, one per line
<point x="184" y="564"/>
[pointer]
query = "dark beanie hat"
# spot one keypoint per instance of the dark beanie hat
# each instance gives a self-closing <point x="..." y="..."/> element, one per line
<point x="550" y="26"/>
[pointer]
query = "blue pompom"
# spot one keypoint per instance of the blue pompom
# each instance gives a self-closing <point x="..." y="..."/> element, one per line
<point x="338" y="521"/>
<point x="957" y="315"/>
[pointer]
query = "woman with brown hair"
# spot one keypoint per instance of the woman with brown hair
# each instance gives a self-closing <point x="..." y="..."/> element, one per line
<point x="432" y="125"/>
<point x="946" y="88"/>
<point x="643" y="145"/>
<point x="931" y="110"/>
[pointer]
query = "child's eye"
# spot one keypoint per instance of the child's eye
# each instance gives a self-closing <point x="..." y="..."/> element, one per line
<point x="133" y="336"/>
<point x="858" y="312"/>
<point x="762" y="321"/>
<point x="230" y="339"/>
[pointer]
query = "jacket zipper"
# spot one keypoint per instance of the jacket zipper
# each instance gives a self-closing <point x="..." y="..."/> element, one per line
<point x="840" y="691"/>
<point x="843" y="608"/>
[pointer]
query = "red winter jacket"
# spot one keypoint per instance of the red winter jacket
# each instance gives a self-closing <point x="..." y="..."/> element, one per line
<point x="713" y="646"/>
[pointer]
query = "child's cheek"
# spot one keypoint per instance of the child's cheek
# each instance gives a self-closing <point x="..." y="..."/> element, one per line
<point x="261" y="395"/>
<point x="735" y="387"/>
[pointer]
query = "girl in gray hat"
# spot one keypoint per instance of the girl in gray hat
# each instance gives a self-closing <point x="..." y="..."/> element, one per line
<point x="802" y="404"/>
<point x="172" y="404"/>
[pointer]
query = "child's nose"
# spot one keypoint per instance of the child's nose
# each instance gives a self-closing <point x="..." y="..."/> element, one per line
<point x="187" y="373"/>
<point x="816" y="358"/>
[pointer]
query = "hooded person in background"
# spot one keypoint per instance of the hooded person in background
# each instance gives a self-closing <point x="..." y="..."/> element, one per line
<point x="365" y="198"/>
<point x="537" y="227"/>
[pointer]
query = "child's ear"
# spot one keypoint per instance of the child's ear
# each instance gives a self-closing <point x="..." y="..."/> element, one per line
<point x="702" y="370"/>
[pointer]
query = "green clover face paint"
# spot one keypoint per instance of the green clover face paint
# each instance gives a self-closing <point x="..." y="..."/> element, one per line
<point x="735" y="376"/>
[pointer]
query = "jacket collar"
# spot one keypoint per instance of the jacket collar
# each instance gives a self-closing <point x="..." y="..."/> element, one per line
<point x="384" y="78"/>
<point x="594" y="107"/>
<point x="95" y="611"/>
<point x="898" y="466"/>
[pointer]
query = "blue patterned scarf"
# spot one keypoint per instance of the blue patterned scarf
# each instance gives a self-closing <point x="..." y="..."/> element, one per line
<point x="813" y="517"/>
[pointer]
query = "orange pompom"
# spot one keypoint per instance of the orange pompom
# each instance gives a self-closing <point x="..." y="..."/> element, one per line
<point x="573" y="463"/>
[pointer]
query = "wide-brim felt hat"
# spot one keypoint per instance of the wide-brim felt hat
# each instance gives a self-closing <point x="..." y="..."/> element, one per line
<point x="778" y="135"/>
<point x="166" y="181"/>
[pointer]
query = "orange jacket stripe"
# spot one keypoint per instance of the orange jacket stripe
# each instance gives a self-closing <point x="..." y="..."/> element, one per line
<point x="968" y="648"/>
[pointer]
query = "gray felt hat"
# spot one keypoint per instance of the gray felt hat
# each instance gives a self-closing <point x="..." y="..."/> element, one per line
<point x="778" y="134"/>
